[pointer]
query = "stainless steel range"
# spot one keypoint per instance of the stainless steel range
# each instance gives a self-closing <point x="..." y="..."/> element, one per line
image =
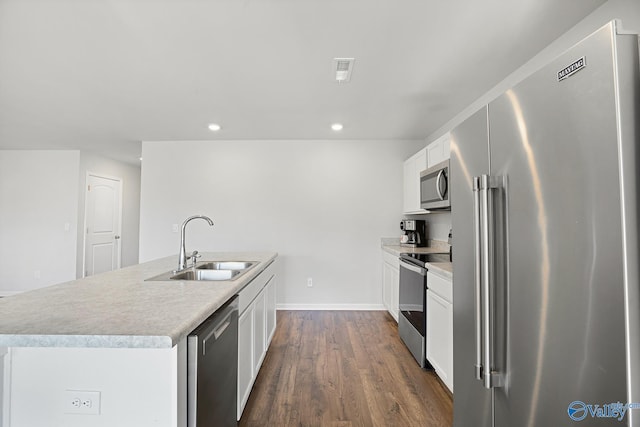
<point x="412" y="323"/>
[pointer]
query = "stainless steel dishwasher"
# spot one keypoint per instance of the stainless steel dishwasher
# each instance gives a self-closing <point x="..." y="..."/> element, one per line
<point x="212" y="369"/>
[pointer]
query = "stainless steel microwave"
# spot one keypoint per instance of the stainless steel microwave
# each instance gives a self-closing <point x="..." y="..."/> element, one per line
<point x="434" y="187"/>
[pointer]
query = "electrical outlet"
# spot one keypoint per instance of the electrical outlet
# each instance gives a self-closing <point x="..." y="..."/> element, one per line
<point x="309" y="282"/>
<point x="175" y="228"/>
<point x="82" y="402"/>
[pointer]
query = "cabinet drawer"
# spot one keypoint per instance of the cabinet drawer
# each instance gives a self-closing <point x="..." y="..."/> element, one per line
<point x="251" y="291"/>
<point x="390" y="259"/>
<point x="441" y="287"/>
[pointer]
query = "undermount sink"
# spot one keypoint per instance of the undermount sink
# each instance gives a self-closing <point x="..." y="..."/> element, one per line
<point x="209" y="271"/>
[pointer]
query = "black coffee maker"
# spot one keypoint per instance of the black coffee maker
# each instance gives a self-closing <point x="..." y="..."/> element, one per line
<point x="415" y="233"/>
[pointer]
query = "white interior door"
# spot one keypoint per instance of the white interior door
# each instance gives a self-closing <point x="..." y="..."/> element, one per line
<point x="103" y="218"/>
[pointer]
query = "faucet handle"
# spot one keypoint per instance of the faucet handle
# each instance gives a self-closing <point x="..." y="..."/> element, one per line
<point x="194" y="257"/>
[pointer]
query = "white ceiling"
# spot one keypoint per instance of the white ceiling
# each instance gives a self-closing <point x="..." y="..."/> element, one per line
<point x="103" y="75"/>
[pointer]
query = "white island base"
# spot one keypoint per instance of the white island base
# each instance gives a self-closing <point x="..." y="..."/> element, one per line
<point x="137" y="387"/>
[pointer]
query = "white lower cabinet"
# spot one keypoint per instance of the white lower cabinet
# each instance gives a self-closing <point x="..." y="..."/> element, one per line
<point x="256" y="326"/>
<point x="259" y="331"/>
<point x="245" y="358"/>
<point x="440" y="327"/>
<point x="271" y="309"/>
<point x="390" y="283"/>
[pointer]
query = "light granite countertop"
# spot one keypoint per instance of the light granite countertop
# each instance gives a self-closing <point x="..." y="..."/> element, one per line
<point x="120" y="308"/>
<point x="444" y="269"/>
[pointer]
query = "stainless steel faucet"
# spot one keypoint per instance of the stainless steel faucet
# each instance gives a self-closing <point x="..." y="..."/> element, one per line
<point x="182" y="261"/>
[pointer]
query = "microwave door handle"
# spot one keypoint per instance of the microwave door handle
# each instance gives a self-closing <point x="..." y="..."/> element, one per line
<point x="438" y="184"/>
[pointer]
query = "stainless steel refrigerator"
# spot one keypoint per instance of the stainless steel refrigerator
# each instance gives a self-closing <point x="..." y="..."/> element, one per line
<point x="544" y="201"/>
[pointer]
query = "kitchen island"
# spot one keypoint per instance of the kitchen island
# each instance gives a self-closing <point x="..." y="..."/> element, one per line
<point x="115" y="334"/>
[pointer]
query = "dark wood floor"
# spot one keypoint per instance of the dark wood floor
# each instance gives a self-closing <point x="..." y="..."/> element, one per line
<point x="343" y="369"/>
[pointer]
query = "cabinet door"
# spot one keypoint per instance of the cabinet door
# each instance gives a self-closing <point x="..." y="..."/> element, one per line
<point x="420" y="164"/>
<point x="390" y="288"/>
<point x="245" y="357"/>
<point x="395" y="292"/>
<point x="386" y="286"/>
<point x="390" y="283"/>
<point x="271" y="310"/>
<point x="409" y="185"/>
<point x="259" y="331"/>
<point x="439" y="150"/>
<point x="440" y="337"/>
<point x="412" y="168"/>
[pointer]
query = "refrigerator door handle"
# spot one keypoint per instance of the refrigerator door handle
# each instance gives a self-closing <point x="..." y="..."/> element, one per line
<point x="477" y="279"/>
<point x="487" y="184"/>
<point x="487" y="276"/>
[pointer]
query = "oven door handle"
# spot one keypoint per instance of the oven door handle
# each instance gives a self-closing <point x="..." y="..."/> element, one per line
<point x="421" y="271"/>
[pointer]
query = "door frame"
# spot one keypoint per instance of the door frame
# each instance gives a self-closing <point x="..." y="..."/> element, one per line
<point x="84" y="228"/>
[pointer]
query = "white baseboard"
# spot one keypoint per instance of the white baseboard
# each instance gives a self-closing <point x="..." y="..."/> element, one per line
<point x="349" y="307"/>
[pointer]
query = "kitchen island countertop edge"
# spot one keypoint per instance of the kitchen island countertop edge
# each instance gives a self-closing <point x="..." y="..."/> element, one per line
<point x="120" y="309"/>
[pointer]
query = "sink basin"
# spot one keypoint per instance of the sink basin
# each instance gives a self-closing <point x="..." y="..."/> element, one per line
<point x="225" y="265"/>
<point x="206" y="275"/>
<point x="209" y="271"/>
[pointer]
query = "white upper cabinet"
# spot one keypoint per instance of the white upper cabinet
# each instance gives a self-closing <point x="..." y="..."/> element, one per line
<point x="439" y="150"/>
<point x="412" y="168"/>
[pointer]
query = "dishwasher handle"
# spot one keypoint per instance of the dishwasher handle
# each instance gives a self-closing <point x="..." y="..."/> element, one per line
<point x="215" y="333"/>
<point x="213" y="328"/>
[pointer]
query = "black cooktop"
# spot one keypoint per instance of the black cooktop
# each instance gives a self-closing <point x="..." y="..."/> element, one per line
<point x="422" y="259"/>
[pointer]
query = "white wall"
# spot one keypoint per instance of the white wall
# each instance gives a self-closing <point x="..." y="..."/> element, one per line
<point x="130" y="176"/>
<point x="38" y="218"/>
<point x="628" y="11"/>
<point x="322" y="205"/>
<point x="41" y="194"/>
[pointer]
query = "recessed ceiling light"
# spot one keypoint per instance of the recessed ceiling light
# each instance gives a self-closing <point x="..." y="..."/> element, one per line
<point x="337" y="127"/>
<point x="214" y="127"/>
<point x="140" y="158"/>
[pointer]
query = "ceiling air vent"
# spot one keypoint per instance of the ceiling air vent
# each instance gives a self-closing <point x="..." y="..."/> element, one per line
<point x="342" y="68"/>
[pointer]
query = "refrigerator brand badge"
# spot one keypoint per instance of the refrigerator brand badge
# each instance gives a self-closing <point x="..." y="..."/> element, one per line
<point x="572" y="68"/>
